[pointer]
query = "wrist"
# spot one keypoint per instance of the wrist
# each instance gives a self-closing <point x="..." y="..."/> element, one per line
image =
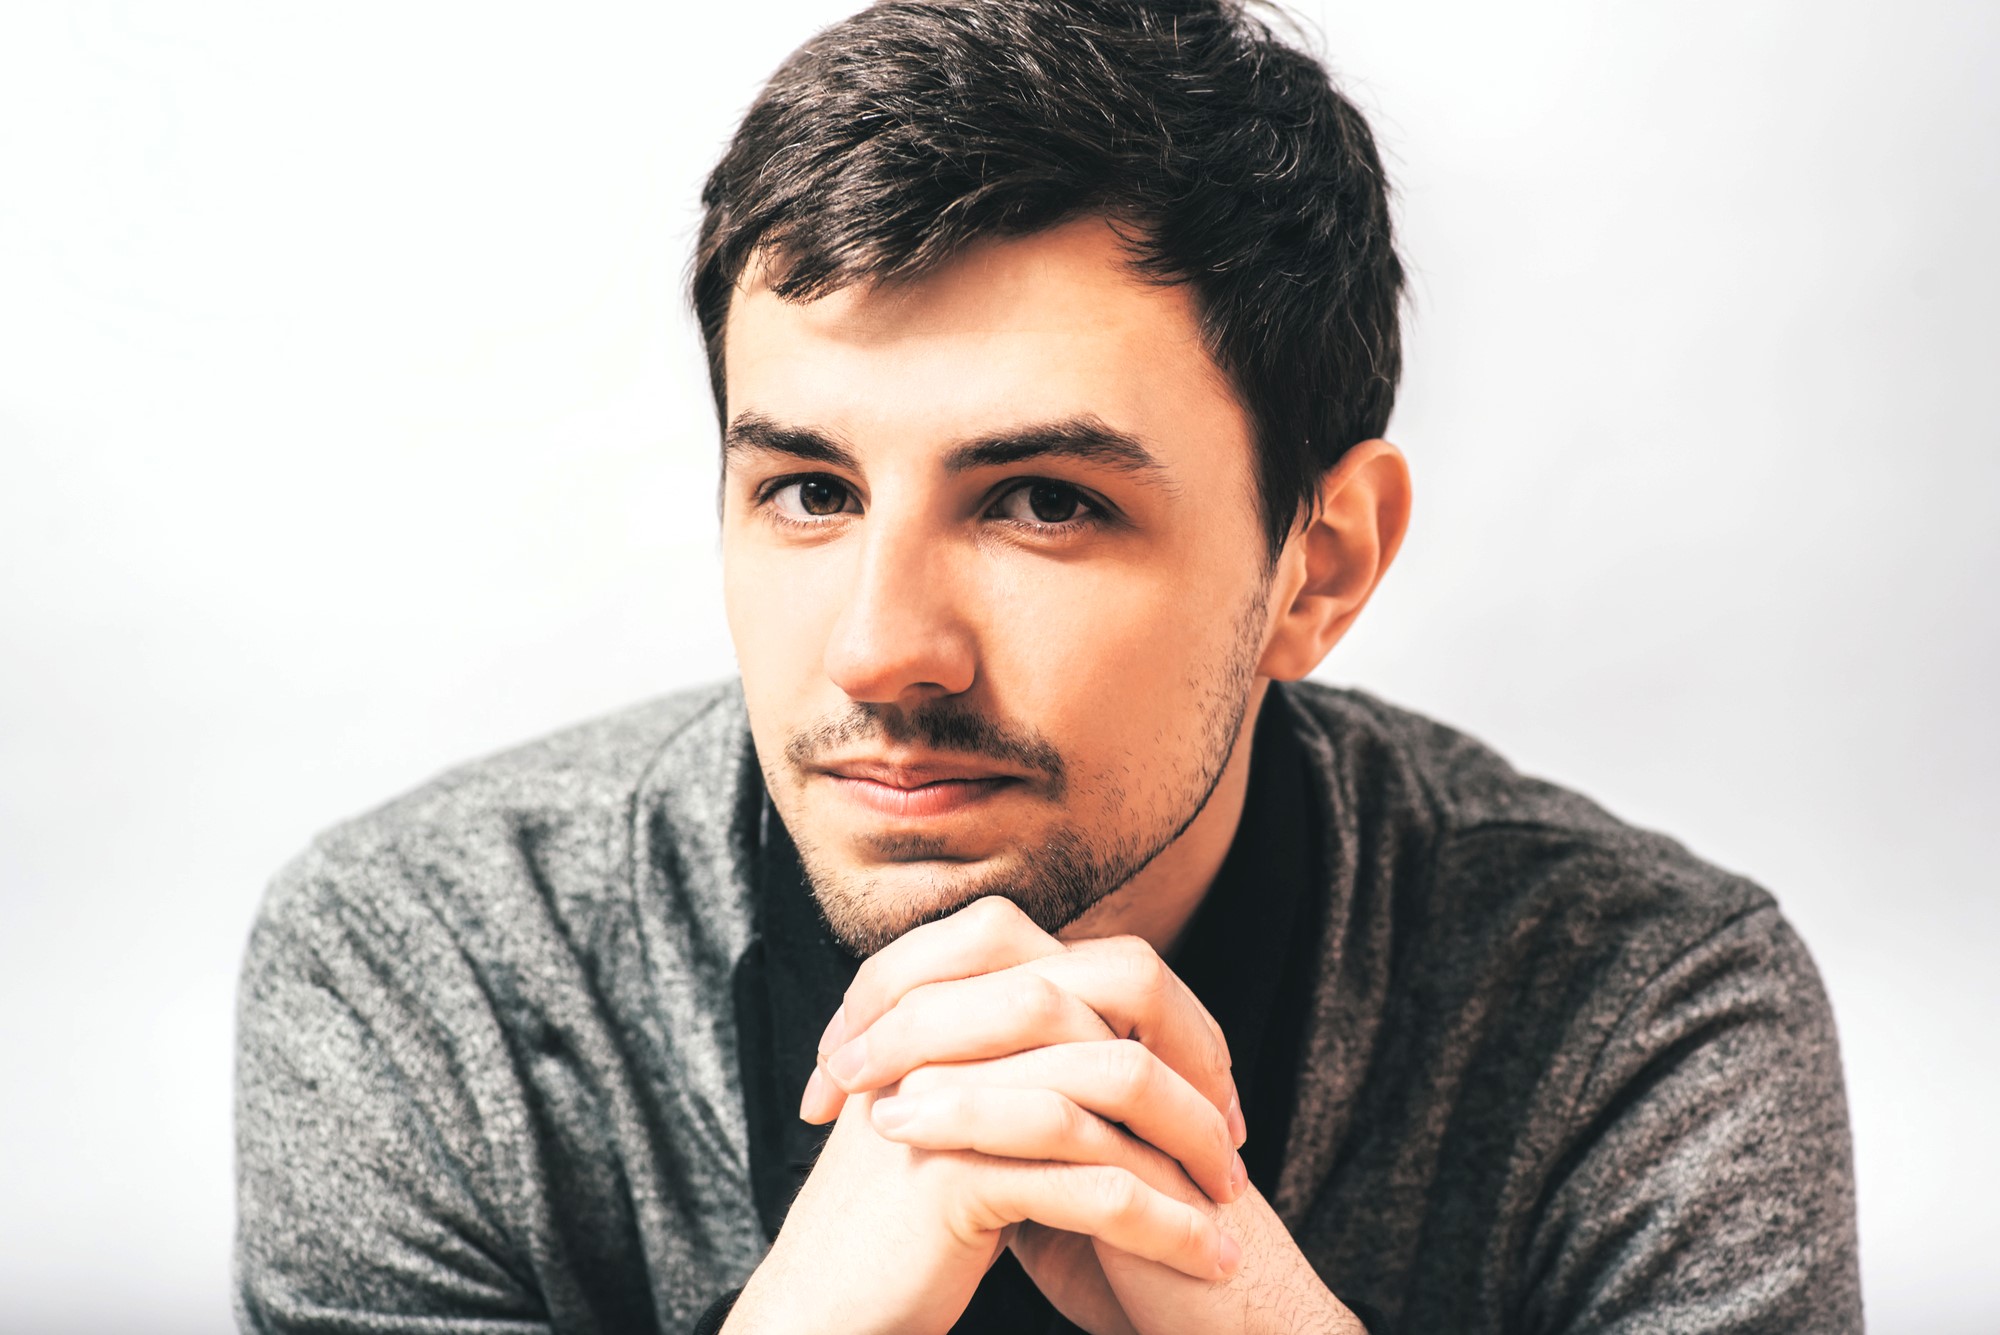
<point x="815" y="1279"/>
<point x="779" y="1299"/>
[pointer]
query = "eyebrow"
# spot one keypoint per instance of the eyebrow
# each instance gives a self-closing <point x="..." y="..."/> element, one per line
<point x="1085" y="438"/>
<point x="754" y="431"/>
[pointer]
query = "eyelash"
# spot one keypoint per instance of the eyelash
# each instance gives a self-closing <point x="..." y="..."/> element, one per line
<point x="1090" y="513"/>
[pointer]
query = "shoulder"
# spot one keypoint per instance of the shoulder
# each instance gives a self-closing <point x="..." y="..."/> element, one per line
<point x="1580" y="1028"/>
<point x="475" y="1012"/>
<point x="1510" y="884"/>
<point x="552" y="819"/>
<point x="1465" y="784"/>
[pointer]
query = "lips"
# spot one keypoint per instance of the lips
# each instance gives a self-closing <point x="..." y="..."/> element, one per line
<point x="916" y="790"/>
<point x="912" y="775"/>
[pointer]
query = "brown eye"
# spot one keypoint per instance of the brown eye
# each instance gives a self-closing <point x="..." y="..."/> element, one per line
<point x="803" y="500"/>
<point x="819" y="496"/>
<point x="1052" y="502"/>
<point x="1051" y="506"/>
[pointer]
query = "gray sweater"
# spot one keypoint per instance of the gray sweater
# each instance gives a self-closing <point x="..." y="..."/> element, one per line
<point x="1559" y="1074"/>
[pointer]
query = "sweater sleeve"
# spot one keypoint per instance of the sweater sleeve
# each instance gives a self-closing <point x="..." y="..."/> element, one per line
<point x="366" y="1182"/>
<point x="1710" y="1186"/>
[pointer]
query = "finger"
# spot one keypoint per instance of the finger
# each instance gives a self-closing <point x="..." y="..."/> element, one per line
<point x="1126" y="982"/>
<point x="1111" y="1204"/>
<point x="967" y="1019"/>
<point x="822" y="1100"/>
<point x="1036" y="1124"/>
<point x="1152" y="1165"/>
<point x="1065" y="1268"/>
<point x="985" y="936"/>
<point x="1104" y="1082"/>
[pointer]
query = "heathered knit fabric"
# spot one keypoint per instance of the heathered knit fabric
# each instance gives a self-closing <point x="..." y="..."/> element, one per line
<point x="1559" y="1075"/>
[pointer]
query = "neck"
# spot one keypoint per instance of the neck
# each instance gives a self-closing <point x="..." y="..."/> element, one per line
<point x="1159" y="902"/>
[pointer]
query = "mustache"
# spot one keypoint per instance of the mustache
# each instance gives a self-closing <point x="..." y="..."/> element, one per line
<point x="937" y="725"/>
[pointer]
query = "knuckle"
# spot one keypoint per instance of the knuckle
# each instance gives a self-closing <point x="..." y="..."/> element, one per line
<point x="1119" y="1196"/>
<point x="1140" y="963"/>
<point x="1034" y="1002"/>
<point x="1218" y="1133"/>
<point x="1208" y="1064"/>
<point x="892" y="1032"/>
<point x="1221" y="1066"/>
<point x="1069" y="1123"/>
<point x="1214" y="1062"/>
<point x="994" y="913"/>
<point x="1194" y="1234"/>
<point x="1154" y="975"/>
<point x="1128" y="1069"/>
<point x="952" y="1103"/>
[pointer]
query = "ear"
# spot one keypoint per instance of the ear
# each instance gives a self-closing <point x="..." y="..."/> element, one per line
<point x="1332" y="562"/>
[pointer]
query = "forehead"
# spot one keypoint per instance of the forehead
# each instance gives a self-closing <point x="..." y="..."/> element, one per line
<point x="1010" y="333"/>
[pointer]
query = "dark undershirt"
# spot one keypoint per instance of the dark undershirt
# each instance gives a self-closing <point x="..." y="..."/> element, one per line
<point x="1247" y="953"/>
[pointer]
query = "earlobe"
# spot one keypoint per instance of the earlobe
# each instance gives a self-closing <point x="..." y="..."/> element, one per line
<point x="1336" y="558"/>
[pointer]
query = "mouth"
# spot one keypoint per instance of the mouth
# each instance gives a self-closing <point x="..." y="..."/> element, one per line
<point x="918" y="790"/>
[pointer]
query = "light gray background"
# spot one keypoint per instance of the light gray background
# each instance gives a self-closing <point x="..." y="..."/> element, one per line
<point x="352" y="427"/>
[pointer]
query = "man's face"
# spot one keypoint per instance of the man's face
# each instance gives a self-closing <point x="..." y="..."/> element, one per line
<point x="995" y="575"/>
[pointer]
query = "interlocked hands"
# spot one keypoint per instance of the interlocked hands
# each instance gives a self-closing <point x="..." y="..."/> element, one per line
<point x="992" y="1086"/>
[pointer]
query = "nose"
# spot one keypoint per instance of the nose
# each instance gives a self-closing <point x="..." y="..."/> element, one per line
<point x="902" y="637"/>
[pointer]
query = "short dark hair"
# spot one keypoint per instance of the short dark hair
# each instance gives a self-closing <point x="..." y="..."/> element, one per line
<point x="894" y="138"/>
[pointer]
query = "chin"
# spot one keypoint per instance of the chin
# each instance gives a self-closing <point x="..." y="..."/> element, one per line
<point x="869" y="905"/>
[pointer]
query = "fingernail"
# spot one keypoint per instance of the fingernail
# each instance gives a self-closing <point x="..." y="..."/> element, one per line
<point x="816" y="1085"/>
<point x="893" y="1113"/>
<point x="845" y="1064"/>
<point x="1238" y="1131"/>
<point x="1239" y="1179"/>
<point x="1228" y="1257"/>
<point x="836" y="1031"/>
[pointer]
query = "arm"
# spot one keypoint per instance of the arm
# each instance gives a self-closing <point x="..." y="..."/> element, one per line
<point x="438" y="1128"/>
<point x="366" y="1195"/>
<point x="1710" y="1184"/>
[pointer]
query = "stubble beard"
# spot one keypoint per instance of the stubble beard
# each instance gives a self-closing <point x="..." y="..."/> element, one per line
<point x="1071" y="869"/>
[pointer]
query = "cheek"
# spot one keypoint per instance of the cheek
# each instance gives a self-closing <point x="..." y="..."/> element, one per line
<point x="778" y="621"/>
<point x="1111" y="667"/>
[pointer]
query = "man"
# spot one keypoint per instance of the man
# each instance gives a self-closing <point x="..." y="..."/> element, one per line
<point x="1019" y="946"/>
